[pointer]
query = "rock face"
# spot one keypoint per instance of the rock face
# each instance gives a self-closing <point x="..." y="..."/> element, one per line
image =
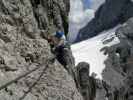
<point x="85" y="83"/>
<point x="56" y="12"/>
<point x="23" y="24"/>
<point x="109" y="14"/>
<point x="119" y="65"/>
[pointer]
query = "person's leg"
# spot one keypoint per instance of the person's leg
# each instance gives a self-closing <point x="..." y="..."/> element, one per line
<point x="60" y="55"/>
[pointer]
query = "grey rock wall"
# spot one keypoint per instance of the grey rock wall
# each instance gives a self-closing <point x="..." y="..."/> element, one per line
<point x="23" y="26"/>
<point x="119" y="65"/>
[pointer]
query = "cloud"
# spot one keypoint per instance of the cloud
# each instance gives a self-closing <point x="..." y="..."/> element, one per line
<point x="78" y="18"/>
<point x="87" y="4"/>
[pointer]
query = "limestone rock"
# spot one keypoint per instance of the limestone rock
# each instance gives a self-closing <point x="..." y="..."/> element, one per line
<point x="22" y="48"/>
<point x="118" y="72"/>
<point x="85" y="83"/>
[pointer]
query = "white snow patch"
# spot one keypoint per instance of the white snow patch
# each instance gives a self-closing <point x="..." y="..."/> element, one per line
<point x="89" y="51"/>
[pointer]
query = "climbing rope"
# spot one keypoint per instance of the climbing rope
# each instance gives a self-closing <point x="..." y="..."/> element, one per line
<point x="25" y="74"/>
<point x="35" y="83"/>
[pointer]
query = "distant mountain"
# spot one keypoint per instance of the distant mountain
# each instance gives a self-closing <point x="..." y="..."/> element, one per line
<point x="109" y="14"/>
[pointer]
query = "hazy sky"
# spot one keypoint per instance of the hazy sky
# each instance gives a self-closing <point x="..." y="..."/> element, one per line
<point x="92" y="4"/>
<point x="79" y="17"/>
<point x="87" y="4"/>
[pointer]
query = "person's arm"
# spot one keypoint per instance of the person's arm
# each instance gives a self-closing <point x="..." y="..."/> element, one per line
<point x="62" y="41"/>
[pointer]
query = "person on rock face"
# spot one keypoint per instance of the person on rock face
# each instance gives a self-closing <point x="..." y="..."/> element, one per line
<point x="58" y="39"/>
<point x="62" y="50"/>
<point x="58" y="43"/>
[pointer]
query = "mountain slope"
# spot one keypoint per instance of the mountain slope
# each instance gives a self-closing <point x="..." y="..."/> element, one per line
<point x="109" y="14"/>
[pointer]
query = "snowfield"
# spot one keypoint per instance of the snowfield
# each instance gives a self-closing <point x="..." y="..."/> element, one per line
<point x="89" y="51"/>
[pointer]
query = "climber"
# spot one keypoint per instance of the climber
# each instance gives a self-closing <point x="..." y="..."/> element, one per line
<point x="58" y="43"/>
<point x="57" y="39"/>
<point x="62" y="51"/>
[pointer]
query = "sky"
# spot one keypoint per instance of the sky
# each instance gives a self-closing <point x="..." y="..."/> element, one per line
<point x="96" y="3"/>
<point x="78" y="18"/>
<point x="92" y="4"/>
<point x="81" y="12"/>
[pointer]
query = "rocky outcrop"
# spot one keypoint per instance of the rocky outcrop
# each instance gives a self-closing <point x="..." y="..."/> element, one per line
<point x="119" y="65"/>
<point x="25" y="55"/>
<point x="109" y="14"/>
<point x="86" y="84"/>
<point x="51" y="13"/>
